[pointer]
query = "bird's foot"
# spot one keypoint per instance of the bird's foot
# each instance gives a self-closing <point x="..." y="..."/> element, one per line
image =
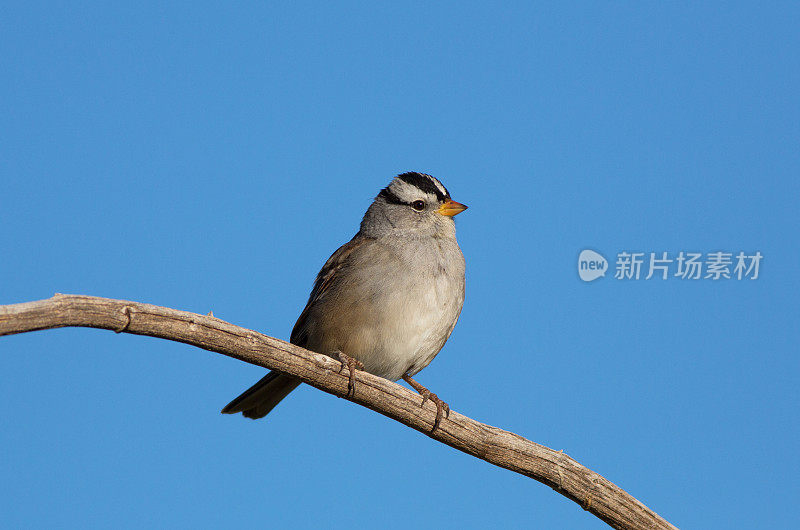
<point x="442" y="408"/>
<point x="351" y="364"/>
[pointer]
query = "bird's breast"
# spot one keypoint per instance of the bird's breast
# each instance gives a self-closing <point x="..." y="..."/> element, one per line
<point x="395" y="322"/>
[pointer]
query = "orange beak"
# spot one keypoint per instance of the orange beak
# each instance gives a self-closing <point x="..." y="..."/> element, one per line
<point x="451" y="208"/>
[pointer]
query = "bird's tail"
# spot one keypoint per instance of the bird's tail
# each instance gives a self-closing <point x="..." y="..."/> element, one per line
<point x="262" y="397"/>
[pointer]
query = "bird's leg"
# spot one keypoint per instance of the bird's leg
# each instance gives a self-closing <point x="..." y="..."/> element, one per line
<point x="351" y="365"/>
<point x="442" y="408"/>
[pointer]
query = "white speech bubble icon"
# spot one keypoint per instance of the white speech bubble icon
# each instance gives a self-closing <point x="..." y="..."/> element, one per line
<point x="591" y="265"/>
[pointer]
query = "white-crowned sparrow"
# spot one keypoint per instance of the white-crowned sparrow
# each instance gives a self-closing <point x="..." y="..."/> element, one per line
<point x="387" y="300"/>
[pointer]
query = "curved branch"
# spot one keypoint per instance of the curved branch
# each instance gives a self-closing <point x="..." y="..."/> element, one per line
<point x="496" y="446"/>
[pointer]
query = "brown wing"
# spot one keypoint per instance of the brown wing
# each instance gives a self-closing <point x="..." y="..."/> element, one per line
<point x="326" y="274"/>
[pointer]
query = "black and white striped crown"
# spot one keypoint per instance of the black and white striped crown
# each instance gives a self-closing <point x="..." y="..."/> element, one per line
<point x="406" y="188"/>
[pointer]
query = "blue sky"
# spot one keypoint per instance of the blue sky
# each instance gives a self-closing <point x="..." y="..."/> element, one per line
<point x="210" y="157"/>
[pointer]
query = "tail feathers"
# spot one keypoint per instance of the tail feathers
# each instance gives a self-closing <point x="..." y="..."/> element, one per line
<point x="262" y="397"/>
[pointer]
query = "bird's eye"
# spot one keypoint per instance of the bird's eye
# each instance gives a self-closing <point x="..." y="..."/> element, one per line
<point x="418" y="205"/>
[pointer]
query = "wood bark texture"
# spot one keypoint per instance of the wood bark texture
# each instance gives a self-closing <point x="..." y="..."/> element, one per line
<point x="505" y="449"/>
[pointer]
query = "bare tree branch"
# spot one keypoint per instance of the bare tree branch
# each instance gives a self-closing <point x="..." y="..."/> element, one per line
<point x="496" y="446"/>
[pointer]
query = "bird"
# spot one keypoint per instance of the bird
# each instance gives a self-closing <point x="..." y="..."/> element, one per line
<point x="387" y="300"/>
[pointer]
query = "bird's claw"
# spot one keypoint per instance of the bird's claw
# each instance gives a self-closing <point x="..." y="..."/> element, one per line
<point x="351" y="364"/>
<point x="442" y="408"/>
